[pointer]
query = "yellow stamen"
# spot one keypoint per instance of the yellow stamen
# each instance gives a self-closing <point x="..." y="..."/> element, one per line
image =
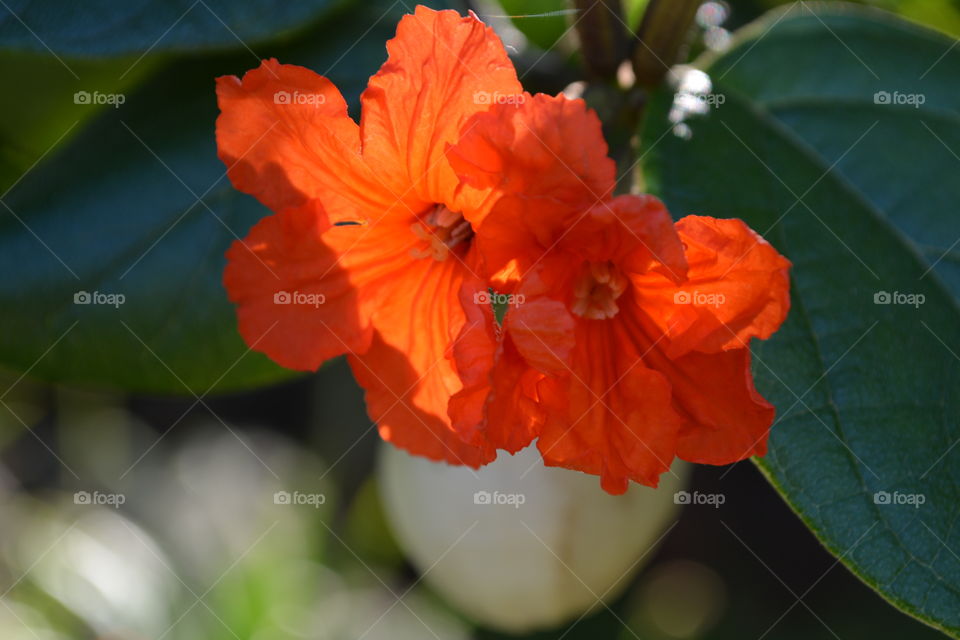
<point x="596" y="290"/>
<point x="442" y="230"/>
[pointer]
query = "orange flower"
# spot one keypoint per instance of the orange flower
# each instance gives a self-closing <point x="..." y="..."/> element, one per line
<point x="626" y="337"/>
<point x="626" y="340"/>
<point x="371" y="236"/>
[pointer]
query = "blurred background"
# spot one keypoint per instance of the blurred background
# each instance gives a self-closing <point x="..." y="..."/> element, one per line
<point x="156" y="514"/>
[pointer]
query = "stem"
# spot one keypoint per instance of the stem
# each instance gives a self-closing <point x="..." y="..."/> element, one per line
<point x="663" y="31"/>
<point x="600" y="27"/>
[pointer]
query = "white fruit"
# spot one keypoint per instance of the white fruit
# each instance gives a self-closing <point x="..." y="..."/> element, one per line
<point x="517" y="545"/>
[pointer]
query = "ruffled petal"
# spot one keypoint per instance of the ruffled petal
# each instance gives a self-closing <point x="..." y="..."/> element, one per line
<point x="634" y="231"/>
<point x="285" y="137"/>
<point x="474" y="354"/>
<point x="514" y="416"/>
<point x="498" y="402"/>
<point x="543" y="148"/>
<point x="408" y="373"/>
<point x="294" y="302"/>
<point x="441" y="69"/>
<point x="612" y="416"/>
<point x="545" y="161"/>
<point x="541" y="326"/>
<point x="728" y="420"/>
<point x="737" y="288"/>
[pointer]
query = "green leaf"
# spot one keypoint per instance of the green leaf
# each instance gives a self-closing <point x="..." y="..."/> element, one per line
<point x="543" y="22"/>
<point x="859" y="189"/>
<point x="43" y="109"/>
<point x="633" y="10"/>
<point x="939" y="14"/>
<point x="136" y="203"/>
<point x="106" y="27"/>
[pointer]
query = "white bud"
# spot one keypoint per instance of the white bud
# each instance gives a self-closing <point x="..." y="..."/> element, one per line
<point x="519" y="546"/>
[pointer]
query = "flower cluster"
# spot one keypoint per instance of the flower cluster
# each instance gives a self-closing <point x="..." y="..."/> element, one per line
<point x="487" y="287"/>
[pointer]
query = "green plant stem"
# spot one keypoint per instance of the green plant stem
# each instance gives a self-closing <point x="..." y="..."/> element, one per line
<point x="602" y="32"/>
<point x="662" y="33"/>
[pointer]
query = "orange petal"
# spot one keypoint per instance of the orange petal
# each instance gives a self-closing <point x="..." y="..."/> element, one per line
<point x="546" y="162"/>
<point x="728" y="419"/>
<point x="634" y="231"/>
<point x="474" y="353"/>
<point x="498" y="402"/>
<point x="542" y="327"/>
<point x="612" y="416"/>
<point x="294" y="302"/>
<point x="737" y="288"/>
<point x="514" y="417"/>
<point x="442" y="68"/>
<point x="407" y="371"/>
<point x="372" y="255"/>
<point x="285" y="137"/>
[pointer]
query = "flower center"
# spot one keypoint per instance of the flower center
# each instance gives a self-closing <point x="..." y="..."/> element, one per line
<point x="596" y="290"/>
<point x="442" y="230"/>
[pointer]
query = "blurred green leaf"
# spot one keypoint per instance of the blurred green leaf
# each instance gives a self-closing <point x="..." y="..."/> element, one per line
<point x="837" y="137"/>
<point x="634" y="12"/>
<point x="136" y="203"/>
<point x="543" y="22"/>
<point x="939" y="14"/>
<point x="368" y="530"/>
<point x="42" y="110"/>
<point x="108" y="28"/>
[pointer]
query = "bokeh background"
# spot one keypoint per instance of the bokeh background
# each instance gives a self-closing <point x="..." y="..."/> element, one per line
<point x="199" y="548"/>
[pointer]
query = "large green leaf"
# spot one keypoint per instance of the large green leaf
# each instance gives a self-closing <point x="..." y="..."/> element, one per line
<point x="42" y="110"/>
<point x="107" y="27"/>
<point x="115" y="210"/>
<point x="862" y="195"/>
